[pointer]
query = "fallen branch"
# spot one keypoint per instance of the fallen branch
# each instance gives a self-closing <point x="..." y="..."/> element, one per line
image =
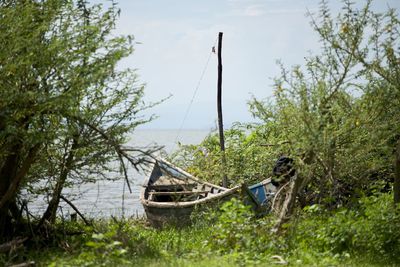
<point x="289" y="203"/>
<point x="24" y="264"/>
<point x="76" y="210"/>
<point x="13" y="244"/>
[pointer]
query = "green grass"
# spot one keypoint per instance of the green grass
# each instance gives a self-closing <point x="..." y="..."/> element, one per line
<point x="367" y="236"/>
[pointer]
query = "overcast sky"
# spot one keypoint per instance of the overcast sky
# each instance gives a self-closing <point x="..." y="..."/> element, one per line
<point x="176" y="38"/>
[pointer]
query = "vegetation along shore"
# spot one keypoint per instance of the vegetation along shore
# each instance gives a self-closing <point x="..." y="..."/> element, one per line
<point x="67" y="108"/>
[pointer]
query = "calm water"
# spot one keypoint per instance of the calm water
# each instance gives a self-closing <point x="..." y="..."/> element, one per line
<point x="106" y="198"/>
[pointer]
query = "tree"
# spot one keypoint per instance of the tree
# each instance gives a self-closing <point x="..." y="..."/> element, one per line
<point x="373" y="40"/>
<point x="65" y="107"/>
<point x="340" y="113"/>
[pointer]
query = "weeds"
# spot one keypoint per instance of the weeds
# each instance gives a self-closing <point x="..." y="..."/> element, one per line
<point x="233" y="237"/>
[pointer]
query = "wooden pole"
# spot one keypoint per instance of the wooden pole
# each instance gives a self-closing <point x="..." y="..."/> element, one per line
<point x="219" y="108"/>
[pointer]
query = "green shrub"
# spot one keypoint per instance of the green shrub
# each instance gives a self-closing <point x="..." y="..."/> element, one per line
<point x="236" y="230"/>
<point x="372" y="231"/>
<point x="248" y="158"/>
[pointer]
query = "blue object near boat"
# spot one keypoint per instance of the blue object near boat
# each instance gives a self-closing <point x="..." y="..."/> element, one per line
<point x="263" y="192"/>
<point x="258" y="191"/>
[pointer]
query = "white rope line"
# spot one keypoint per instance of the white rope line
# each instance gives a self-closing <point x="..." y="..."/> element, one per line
<point x="194" y="95"/>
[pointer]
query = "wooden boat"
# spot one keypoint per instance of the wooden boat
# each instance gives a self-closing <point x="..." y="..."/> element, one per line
<point x="170" y="194"/>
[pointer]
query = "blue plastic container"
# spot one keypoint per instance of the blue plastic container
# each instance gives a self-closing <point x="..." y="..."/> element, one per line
<point x="259" y="191"/>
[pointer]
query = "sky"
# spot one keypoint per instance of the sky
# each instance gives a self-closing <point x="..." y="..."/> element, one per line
<point x="174" y="39"/>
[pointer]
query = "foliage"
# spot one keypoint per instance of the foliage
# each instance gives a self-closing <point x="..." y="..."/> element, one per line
<point x="233" y="237"/>
<point x="249" y="156"/>
<point x="372" y="40"/>
<point x="237" y="232"/>
<point x="370" y="231"/>
<point x="324" y="110"/>
<point x="337" y="116"/>
<point x="65" y="108"/>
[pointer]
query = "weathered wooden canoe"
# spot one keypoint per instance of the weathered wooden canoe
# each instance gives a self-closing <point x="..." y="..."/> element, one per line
<point x="170" y="194"/>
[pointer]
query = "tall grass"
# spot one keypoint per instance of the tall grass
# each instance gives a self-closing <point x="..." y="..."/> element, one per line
<point x="366" y="236"/>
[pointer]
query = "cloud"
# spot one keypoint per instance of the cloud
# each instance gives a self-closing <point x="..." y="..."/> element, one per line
<point x="254" y="11"/>
<point x="259" y="8"/>
<point x="246" y="8"/>
<point x="175" y="50"/>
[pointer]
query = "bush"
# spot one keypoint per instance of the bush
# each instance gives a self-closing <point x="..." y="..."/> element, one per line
<point x="248" y="159"/>
<point x="373" y="231"/>
<point x="237" y="231"/>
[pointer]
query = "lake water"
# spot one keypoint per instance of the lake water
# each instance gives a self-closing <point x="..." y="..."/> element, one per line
<point x="112" y="198"/>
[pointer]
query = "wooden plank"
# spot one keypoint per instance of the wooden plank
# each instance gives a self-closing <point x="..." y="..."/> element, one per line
<point x="178" y="193"/>
<point x="172" y="188"/>
<point x="168" y="180"/>
<point x="191" y="177"/>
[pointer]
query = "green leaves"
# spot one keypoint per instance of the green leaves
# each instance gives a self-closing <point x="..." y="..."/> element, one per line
<point x="249" y="158"/>
<point x="325" y="108"/>
<point x="369" y="231"/>
<point x="60" y="88"/>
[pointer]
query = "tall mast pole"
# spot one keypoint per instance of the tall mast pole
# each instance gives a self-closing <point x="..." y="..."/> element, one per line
<point x="219" y="109"/>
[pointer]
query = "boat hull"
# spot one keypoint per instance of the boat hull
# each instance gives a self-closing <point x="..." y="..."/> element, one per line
<point x="179" y="213"/>
<point x="159" y="217"/>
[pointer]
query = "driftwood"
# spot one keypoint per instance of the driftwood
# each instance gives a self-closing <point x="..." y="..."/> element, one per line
<point x="287" y="208"/>
<point x="24" y="264"/>
<point x="12" y="245"/>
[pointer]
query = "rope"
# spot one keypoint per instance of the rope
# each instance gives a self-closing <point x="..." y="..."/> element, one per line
<point x="194" y="94"/>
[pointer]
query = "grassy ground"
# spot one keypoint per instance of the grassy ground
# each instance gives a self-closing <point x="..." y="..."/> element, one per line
<point x="367" y="236"/>
<point x="137" y="245"/>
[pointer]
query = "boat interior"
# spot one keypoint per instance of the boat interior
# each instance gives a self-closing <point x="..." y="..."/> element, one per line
<point x="168" y="185"/>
